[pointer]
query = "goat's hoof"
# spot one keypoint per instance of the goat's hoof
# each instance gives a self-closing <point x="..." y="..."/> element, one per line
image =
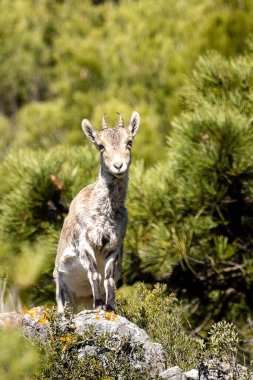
<point x="99" y="305"/>
<point x="109" y="308"/>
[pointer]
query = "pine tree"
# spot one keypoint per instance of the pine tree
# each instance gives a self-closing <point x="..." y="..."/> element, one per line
<point x="195" y="209"/>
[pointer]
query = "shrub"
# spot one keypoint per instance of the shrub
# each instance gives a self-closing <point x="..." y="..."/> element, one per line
<point x="161" y="316"/>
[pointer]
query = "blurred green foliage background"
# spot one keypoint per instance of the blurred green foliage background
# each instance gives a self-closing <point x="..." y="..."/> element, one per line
<point x="186" y="67"/>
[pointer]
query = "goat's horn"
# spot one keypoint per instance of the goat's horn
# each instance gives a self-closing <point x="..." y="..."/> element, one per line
<point x="104" y="126"/>
<point x="121" y="121"/>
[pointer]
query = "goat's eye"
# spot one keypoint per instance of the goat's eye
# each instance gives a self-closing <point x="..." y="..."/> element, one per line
<point x="129" y="144"/>
<point x="101" y="147"/>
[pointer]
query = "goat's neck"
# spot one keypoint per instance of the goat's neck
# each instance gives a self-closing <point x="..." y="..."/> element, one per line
<point x="110" y="191"/>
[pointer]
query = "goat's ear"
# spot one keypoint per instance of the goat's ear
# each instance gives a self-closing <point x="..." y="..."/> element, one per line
<point x="88" y="130"/>
<point x="134" y="123"/>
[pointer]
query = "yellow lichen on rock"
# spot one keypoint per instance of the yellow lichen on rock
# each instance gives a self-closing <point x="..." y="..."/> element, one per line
<point x="110" y="316"/>
<point x="32" y="312"/>
<point x="67" y="339"/>
<point x="42" y="320"/>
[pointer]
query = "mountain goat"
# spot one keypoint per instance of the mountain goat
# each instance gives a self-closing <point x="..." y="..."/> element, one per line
<point x="91" y="242"/>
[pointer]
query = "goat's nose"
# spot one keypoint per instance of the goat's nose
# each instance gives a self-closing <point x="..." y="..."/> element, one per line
<point x="118" y="165"/>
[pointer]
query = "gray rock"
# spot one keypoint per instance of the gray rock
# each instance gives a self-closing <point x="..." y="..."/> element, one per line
<point x="193" y="374"/>
<point x="173" y="373"/>
<point x="142" y="353"/>
<point x="153" y="356"/>
<point x="212" y="370"/>
<point x="11" y="319"/>
<point x="217" y="370"/>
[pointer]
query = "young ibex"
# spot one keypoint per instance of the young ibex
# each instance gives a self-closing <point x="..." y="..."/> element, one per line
<point x="91" y="242"/>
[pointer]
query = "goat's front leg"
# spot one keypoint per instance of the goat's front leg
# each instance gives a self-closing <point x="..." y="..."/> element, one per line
<point x="88" y="261"/>
<point x="109" y="282"/>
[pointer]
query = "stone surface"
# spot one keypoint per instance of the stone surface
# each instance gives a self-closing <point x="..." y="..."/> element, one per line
<point x="173" y="373"/>
<point x="193" y="374"/>
<point x="212" y="370"/>
<point x="153" y="356"/>
<point x="11" y="319"/>
<point x="117" y="328"/>
<point x="218" y="370"/>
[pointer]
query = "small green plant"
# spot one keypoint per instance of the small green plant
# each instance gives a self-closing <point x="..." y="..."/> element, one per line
<point x="248" y="373"/>
<point x="161" y="317"/>
<point x="222" y="341"/>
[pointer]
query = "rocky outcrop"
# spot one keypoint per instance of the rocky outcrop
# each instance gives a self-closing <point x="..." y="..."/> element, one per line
<point x="117" y="329"/>
<point x="152" y="357"/>
<point x="35" y="325"/>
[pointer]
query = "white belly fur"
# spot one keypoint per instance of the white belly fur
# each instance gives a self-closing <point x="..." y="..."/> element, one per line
<point x="75" y="275"/>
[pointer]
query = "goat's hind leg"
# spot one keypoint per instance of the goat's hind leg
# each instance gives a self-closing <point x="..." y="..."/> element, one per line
<point x="64" y="297"/>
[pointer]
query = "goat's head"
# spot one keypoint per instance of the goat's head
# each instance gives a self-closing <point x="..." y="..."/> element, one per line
<point x="114" y="144"/>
